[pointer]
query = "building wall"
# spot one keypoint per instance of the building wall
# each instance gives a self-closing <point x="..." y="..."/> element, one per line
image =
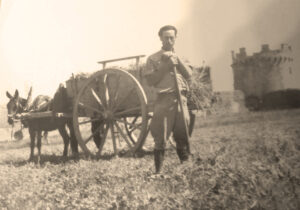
<point x="288" y="74"/>
<point x="263" y="72"/>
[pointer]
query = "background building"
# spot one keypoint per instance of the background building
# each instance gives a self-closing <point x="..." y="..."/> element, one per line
<point x="263" y="72"/>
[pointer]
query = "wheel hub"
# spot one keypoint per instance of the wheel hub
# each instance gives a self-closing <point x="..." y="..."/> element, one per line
<point x="108" y="115"/>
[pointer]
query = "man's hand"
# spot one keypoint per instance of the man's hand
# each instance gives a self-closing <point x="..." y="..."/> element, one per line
<point x="170" y="56"/>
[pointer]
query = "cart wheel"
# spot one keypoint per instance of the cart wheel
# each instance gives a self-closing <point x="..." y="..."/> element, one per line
<point x="133" y="128"/>
<point x="103" y="104"/>
<point x="136" y="121"/>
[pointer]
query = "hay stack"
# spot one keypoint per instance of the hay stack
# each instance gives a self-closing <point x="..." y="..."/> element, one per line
<point x="200" y="96"/>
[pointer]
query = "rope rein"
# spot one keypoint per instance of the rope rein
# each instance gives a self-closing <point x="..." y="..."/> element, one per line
<point x="12" y="132"/>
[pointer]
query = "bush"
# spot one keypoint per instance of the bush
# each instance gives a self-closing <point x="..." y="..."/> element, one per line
<point x="282" y="99"/>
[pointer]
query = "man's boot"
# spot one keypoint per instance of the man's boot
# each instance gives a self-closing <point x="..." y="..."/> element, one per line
<point x="158" y="160"/>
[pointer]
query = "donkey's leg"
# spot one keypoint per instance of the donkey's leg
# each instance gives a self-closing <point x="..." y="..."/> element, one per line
<point x="32" y="134"/>
<point x="45" y="137"/>
<point x="97" y="137"/>
<point x="39" y="145"/>
<point x="65" y="136"/>
<point x="74" y="143"/>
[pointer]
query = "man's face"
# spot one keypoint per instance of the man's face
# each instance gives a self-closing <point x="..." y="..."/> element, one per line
<point x="168" y="39"/>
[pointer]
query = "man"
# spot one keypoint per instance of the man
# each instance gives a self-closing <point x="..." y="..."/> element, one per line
<point x="167" y="116"/>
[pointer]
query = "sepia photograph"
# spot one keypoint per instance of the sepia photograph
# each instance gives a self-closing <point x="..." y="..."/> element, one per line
<point x="148" y="104"/>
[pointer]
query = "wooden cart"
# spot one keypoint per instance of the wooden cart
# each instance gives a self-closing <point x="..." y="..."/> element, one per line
<point x="114" y="103"/>
<point x="118" y="101"/>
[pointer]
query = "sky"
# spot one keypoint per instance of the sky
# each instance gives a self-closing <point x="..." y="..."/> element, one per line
<point x="43" y="42"/>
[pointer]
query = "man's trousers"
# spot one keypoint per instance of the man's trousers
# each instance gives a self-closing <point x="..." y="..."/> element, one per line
<point x="167" y="119"/>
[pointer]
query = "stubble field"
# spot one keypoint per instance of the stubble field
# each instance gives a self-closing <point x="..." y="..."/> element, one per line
<point x="246" y="161"/>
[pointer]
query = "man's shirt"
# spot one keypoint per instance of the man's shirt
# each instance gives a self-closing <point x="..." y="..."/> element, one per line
<point x="166" y="83"/>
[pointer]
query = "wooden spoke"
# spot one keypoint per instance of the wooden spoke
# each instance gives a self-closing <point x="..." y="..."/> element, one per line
<point x="97" y="97"/>
<point x="128" y="111"/>
<point x="103" y="140"/>
<point x="88" y="121"/>
<point x="93" y="134"/>
<point x="110" y="100"/>
<point x="123" y="100"/>
<point x="133" y="137"/>
<point x="106" y="91"/>
<point x="99" y="94"/>
<point x="115" y="95"/>
<point x="111" y="125"/>
<point x="123" y="135"/>
<point x="134" y="120"/>
<point x="149" y="115"/>
<point x="105" y="78"/>
<point x="90" y="108"/>
<point x="148" y="129"/>
<point x="112" y="92"/>
<point x="134" y="126"/>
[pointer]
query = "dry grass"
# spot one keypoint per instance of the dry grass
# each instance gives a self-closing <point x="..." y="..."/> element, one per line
<point x="248" y="161"/>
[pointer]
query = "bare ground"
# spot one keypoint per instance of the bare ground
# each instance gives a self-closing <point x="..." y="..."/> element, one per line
<point x="247" y="161"/>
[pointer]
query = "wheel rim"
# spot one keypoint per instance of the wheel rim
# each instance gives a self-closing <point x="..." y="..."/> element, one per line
<point x="103" y="102"/>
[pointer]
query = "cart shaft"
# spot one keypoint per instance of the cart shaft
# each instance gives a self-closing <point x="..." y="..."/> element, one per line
<point x="35" y="115"/>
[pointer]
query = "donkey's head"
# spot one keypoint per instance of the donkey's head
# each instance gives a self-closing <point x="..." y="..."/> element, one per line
<point x="16" y="105"/>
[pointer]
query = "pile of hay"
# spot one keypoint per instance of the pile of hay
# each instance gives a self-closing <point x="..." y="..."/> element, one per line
<point x="200" y="96"/>
<point x="81" y="75"/>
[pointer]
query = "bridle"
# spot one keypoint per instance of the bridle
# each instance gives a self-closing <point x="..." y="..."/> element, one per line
<point x="19" y="109"/>
<point x="20" y="105"/>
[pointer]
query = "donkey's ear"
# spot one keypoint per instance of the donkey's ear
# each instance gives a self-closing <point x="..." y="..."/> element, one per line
<point x="8" y="95"/>
<point x="28" y="101"/>
<point x="16" y="94"/>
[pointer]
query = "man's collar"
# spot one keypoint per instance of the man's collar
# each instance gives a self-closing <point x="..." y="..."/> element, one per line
<point x="162" y="48"/>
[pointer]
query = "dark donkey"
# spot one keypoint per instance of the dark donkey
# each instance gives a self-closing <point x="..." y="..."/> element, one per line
<point x="59" y="104"/>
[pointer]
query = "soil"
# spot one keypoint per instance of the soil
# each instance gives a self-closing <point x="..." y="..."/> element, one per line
<point x="240" y="161"/>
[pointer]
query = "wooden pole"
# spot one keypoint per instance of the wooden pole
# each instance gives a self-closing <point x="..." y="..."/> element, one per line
<point x="121" y="59"/>
<point x="181" y="108"/>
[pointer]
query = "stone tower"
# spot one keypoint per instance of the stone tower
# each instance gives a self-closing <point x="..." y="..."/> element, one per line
<point x="263" y="72"/>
